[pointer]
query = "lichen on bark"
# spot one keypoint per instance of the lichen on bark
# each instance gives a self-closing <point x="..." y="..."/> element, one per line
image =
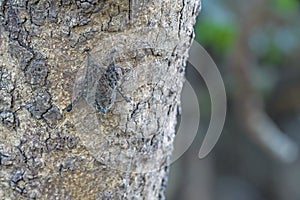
<point x="49" y="150"/>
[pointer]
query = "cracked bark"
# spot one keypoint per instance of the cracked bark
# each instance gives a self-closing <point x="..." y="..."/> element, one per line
<point x="52" y="147"/>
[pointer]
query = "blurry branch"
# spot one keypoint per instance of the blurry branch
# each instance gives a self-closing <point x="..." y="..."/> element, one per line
<point x="269" y="136"/>
<point x="249" y="104"/>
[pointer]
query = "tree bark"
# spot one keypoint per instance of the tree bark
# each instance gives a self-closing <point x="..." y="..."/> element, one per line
<point x="89" y="93"/>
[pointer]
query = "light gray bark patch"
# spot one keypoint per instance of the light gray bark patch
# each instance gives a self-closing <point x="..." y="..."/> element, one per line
<point x="40" y="103"/>
<point x="52" y="12"/>
<point x="8" y="119"/>
<point x="7" y="156"/>
<point x="6" y="82"/>
<point x="52" y="116"/>
<point x="16" y="181"/>
<point x="61" y="139"/>
<point x="37" y="71"/>
<point x="38" y="11"/>
<point x="5" y="100"/>
<point x="23" y="55"/>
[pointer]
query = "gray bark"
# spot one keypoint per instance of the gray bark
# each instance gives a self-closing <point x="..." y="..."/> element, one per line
<point x="89" y="93"/>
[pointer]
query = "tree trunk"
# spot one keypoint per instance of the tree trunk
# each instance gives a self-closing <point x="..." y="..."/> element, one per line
<point x="89" y="93"/>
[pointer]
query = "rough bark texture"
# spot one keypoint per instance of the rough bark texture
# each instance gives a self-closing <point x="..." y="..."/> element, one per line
<point x="54" y="142"/>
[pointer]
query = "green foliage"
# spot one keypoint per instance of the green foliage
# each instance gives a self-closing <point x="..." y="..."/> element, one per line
<point x="218" y="35"/>
<point x="272" y="55"/>
<point x="287" y="6"/>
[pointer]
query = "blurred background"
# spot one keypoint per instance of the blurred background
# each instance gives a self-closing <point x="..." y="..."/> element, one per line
<point x="256" y="46"/>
